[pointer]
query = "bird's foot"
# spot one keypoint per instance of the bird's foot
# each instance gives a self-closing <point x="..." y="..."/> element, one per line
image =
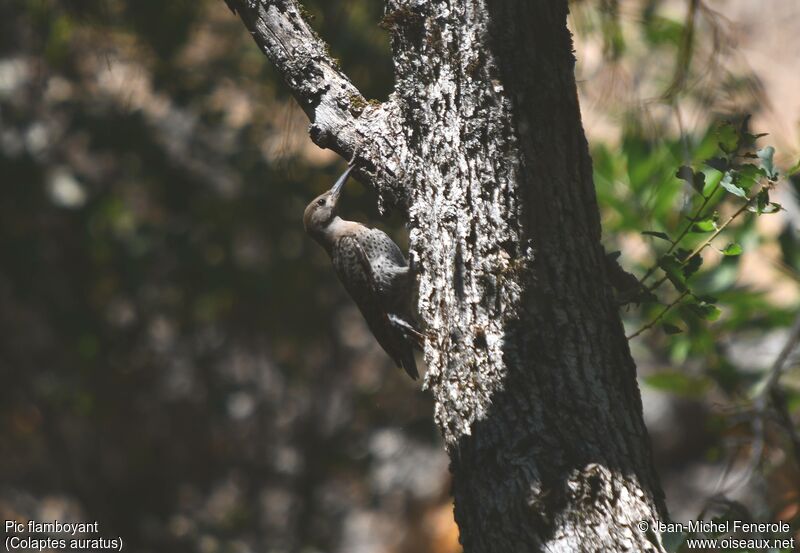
<point x="412" y="264"/>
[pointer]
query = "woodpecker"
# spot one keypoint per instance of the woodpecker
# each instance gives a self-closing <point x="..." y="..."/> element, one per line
<point x="374" y="272"/>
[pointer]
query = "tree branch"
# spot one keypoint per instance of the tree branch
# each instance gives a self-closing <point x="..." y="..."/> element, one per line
<point x="369" y="134"/>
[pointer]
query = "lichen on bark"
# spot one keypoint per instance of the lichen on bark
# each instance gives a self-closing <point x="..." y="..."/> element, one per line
<point x="464" y="194"/>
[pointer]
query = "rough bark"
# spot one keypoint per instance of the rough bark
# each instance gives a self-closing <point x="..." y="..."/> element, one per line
<point x="535" y="389"/>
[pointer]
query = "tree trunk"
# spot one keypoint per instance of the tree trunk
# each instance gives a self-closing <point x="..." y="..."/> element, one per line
<point x="482" y="146"/>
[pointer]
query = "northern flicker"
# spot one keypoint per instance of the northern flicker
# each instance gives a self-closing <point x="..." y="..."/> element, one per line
<point x="374" y="272"/>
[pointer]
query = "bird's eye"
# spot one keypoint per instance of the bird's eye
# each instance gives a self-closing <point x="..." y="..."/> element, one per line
<point x="321" y="201"/>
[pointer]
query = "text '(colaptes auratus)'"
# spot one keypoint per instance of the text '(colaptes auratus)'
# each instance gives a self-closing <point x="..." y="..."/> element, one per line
<point x="374" y="272"/>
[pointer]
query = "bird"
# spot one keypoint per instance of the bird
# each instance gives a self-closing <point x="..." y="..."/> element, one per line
<point x="374" y="272"/>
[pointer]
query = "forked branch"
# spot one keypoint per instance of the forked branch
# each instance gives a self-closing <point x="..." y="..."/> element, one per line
<point x="367" y="133"/>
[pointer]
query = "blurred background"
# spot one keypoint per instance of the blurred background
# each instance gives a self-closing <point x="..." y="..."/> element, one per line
<point x="178" y="360"/>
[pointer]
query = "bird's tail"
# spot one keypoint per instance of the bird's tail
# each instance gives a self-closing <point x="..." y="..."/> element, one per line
<point x="409" y="363"/>
<point x="409" y="337"/>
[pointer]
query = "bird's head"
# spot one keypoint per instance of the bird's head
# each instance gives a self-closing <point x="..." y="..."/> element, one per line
<point x="323" y="209"/>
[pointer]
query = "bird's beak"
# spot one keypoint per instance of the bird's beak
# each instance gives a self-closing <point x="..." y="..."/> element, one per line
<point x="337" y="188"/>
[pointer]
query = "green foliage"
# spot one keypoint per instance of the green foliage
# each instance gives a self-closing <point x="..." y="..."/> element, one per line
<point x="701" y="197"/>
<point x="695" y="180"/>
<point x="727" y="170"/>
<point x="684" y="210"/>
<point x="732" y="249"/>
<point x="662" y="235"/>
<point x="678" y="382"/>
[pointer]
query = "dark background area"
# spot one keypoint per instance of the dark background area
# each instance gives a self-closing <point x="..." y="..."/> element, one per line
<point x="178" y="360"/>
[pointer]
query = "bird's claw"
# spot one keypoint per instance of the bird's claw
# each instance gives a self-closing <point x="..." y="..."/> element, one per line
<point x="408" y="331"/>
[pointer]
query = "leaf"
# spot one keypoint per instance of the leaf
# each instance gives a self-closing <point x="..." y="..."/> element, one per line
<point x="672" y="268"/>
<point x="704" y="311"/>
<point x="706" y="225"/>
<point x="728" y="138"/>
<point x="698" y="182"/>
<point x="793" y="169"/>
<point x="657" y="234"/>
<point x="753" y="137"/>
<point x="707" y="299"/>
<point x="660" y="30"/>
<point x="732" y="249"/>
<point x="711" y="312"/>
<point x="727" y="183"/>
<point x="671" y="329"/>
<point x="763" y="205"/>
<point x="762" y="200"/>
<point x="765" y="155"/>
<point x="691" y="266"/>
<point x="684" y="172"/>
<point x="718" y="163"/>
<point x="712" y="178"/>
<point x="677" y="382"/>
<point x="695" y="180"/>
<point x="748" y="174"/>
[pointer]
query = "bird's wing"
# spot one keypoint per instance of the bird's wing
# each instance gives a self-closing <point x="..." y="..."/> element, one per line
<point x="363" y="289"/>
<point x="351" y="246"/>
<point x="385" y="246"/>
<point x="355" y="272"/>
<point x="393" y="278"/>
